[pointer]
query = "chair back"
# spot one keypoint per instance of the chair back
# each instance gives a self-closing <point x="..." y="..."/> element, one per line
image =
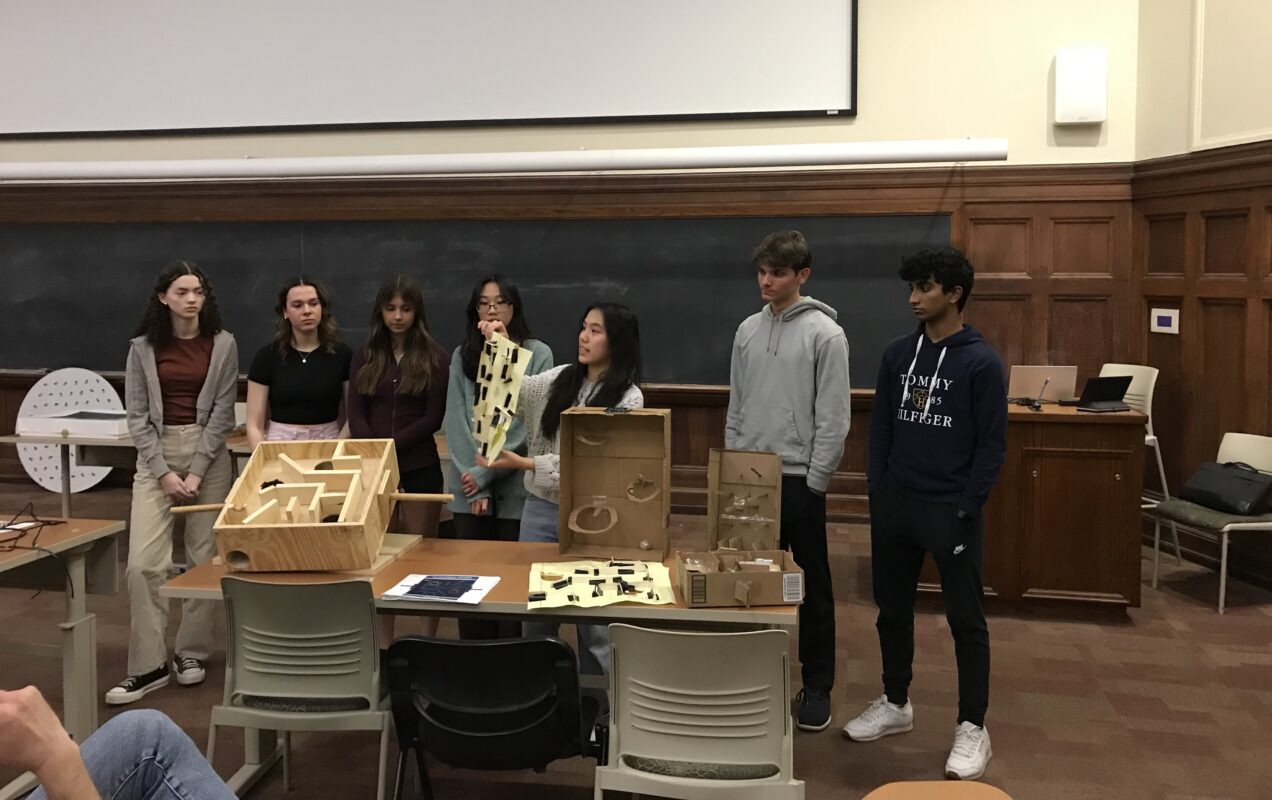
<point x="1139" y="395"/>
<point x="700" y="705"/>
<point x="1248" y="448"/>
<point x="496" y="704"/>
<point x="301" y="647"/>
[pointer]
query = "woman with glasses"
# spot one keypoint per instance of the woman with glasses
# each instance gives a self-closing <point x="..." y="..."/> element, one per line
<point x="487" y="501"/>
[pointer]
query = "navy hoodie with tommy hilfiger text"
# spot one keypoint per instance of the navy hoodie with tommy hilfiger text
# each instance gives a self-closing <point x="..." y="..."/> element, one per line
<point x="939" y="426"/>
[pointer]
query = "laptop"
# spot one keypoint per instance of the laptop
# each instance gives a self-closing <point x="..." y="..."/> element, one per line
<point x="1105" y="394"/>
<point x="1027" y="383"/>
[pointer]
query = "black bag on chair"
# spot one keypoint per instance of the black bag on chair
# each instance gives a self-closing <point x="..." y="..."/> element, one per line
<point x="1233" y="487"/>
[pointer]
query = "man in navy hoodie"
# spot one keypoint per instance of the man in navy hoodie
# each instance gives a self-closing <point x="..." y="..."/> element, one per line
<point x="788" y="394"/>
<point x="938" y="437"/>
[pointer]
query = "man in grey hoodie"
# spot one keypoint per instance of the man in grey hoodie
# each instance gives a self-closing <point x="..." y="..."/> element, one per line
<point x="788" y="394"/>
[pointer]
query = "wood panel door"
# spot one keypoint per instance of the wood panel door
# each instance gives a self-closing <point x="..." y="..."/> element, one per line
<point x="1081" y="540"/>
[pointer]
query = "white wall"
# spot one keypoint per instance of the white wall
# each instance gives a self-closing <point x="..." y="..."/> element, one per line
<point x="928" y="69"/>
<point x="1165" y="78"/>
<point x="1232" y="99"/>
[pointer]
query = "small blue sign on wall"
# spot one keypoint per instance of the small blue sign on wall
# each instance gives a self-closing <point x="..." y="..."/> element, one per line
<point x="1164" y="320"/>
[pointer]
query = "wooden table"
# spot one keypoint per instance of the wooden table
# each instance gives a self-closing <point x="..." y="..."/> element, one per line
<point x="510" y="561"/>
<point x="106" y="451"/>
<point x="1063" y="522"/>
<point x="89" y="552"/>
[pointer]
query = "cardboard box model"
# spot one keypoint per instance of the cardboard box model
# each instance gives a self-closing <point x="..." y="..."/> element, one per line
<point x="615" y="483"/>
<point x="315" y="505"/>
<point x="742" y="565"/>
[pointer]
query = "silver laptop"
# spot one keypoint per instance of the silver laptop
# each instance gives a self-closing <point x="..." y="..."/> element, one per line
<point x="1028" y="382"/>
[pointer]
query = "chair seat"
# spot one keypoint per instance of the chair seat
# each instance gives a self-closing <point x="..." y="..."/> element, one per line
<point x="1198" y="516"/>
<point x="702" y="770"/>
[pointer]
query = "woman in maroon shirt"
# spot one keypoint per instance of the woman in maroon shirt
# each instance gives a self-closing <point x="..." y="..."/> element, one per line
<point x="397" y="391"/>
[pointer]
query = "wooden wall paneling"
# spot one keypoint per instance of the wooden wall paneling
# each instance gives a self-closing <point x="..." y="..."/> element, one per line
<point x="1087" y="240"/>
<point x="1081" y="333"/>
<point x="1000" y="239"/>
<point x="1222" y="393"/>
<point x="1007" y="323"/>
<point x="1225" y="241"/>
<point x="1171" y="397"/>
<point x="1083" y="246"/>
<point x="1165" y="252"/>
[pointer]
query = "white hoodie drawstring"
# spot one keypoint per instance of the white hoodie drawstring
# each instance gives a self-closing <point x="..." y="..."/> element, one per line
<point x="932" y="384"/>
<point x="905" y="395"/>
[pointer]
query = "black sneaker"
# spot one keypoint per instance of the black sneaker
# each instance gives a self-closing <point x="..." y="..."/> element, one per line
<point x="135" y="687"/>
<point x="189" y="671"/>
<point x="814" y="709"/>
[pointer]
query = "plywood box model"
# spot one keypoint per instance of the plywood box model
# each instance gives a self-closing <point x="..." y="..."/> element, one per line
<point x="315" y="505"/>
<point x="615" y="483"/>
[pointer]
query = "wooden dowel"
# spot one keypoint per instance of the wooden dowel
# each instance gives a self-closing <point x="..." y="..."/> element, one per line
<point x="411" y="497"/>
<point x="197" y="508"/>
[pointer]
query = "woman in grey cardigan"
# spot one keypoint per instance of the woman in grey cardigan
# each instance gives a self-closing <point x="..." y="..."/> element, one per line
<point x="180" y="387"/>
<point x="487" y="502"/>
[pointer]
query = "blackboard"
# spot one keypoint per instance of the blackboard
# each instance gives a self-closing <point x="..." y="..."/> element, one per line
<point x="71" y="294"/>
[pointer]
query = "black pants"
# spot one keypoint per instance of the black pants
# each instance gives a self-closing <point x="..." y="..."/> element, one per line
<point x="490" y="529"/>
<point x="804" y="533"/>
<point x="902" y="528"/>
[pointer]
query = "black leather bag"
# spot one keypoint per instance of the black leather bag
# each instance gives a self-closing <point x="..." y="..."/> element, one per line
<point x="1233" y="487"/>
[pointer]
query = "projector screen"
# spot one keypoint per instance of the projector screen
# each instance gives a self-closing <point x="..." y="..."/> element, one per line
<point x="68" y="66"/>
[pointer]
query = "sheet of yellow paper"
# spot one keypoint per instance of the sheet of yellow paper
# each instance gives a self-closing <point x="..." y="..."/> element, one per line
<point x="576" y="583"/>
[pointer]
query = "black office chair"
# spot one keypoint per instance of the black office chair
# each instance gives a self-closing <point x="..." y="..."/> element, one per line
<point x="500" y="704"/>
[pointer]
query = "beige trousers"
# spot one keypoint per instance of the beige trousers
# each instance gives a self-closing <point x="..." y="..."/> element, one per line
<point x="150" y="555"/>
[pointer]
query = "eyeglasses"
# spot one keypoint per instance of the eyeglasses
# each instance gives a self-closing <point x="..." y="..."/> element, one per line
<point x="498" y="305"/>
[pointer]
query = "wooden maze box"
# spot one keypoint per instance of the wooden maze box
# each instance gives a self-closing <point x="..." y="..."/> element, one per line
<point x="315" y="505"/>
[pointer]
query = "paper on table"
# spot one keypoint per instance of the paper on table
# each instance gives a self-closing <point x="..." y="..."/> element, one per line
<point x="467" y="589"/>
<point x="591" y="584"/>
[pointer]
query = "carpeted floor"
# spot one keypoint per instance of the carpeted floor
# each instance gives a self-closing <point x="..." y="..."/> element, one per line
<point x="1170" y="700"/>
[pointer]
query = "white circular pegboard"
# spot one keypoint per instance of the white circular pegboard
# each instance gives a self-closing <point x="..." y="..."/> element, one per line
<point x="68" y="389"/>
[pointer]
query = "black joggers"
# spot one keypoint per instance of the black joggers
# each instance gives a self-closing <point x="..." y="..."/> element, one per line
<point x="804" y="533"/>
<point x="902" y="528"/>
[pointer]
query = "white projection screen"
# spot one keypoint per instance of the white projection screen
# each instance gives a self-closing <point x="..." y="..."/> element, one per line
<point x="70" y="67"/>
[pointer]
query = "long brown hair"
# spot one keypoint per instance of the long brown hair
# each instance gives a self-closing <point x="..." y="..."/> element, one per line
<point x="156" y="320"/>
<point x="328" y="331"/>
<point x="421" y="355"/>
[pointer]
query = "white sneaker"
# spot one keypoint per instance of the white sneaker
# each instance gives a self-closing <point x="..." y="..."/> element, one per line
<point x="880" y="719"/>
<point x="189" y="671"/>
<point x="970" y="753"/>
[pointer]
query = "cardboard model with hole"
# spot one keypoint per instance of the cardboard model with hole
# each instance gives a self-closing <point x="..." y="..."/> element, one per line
<point x="499" y="373"/>
<point x="314" y="505"/>
<point x="742" y="565"/>
<point x="615" y="483"/>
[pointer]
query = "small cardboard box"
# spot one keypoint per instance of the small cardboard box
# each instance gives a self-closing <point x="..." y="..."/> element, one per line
<point x="615" y="483"/>
<point x="310" y="505"/>
<point x="732" y="578"/>
<point x="744" y="500"/>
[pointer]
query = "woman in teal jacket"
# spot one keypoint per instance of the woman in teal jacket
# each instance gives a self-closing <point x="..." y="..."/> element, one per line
<point x="487" y="502"/>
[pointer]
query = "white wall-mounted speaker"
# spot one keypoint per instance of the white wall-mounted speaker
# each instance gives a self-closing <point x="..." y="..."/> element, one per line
<point x="1082" y="86"/>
